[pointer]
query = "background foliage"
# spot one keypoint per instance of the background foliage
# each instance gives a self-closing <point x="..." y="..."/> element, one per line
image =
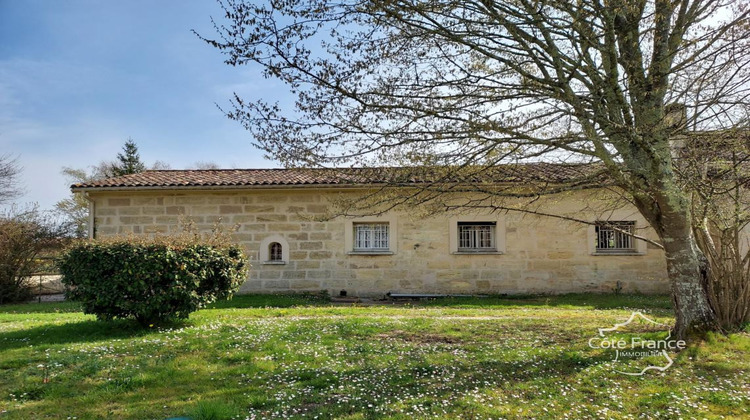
<point x="26" y="236"/>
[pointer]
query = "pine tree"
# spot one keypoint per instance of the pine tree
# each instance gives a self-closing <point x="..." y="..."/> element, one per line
<point x="129" y="162"/>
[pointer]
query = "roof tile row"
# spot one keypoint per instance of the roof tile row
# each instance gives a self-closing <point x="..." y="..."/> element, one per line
<point x="546" y="172"/>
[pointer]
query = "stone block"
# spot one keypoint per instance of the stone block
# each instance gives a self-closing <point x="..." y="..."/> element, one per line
<point x="298" y="255"/>
<point x="276" y="284"/>
<point x="153" y="210"/>
<point x="297" y="236"/>
<point x="410" y="284"/>
<point x="318" y="274"/>
<point x="116" y="202"/>
<point x="293" y="274"/>
<point x="542" y="265"/>
<point x="190" y="199"/>
<point x="243" y="218"/>
<point x="492" y="274"/>
<point x="268" y="273"/>
<point x="307" y="265"/>
<point x="259" y="209"/>
<point x="136" y="220"/>
<point x="129" y="211"/>
<point x="385" y="284"/>
<point x="453" y="285"/>
<point x="216" y="219"/>
<point x="272" y="198"/>
<point x="271" y="218"/>
<point x="306" y="284"/>
<point x="242" y="237"/>
<point x="317" y="208"/>
<point x="250" y="286"/>
<point x="483" y="285"/>
<point x="218" y="199"/>
<point x="253" y="227"/>
<point x="204" y="210"/>
<point x="360" y="263"/>
<point x="560" y="255"/>
<point x="439" y="264"/>
<point x="333" y="285"/>
<point x="311" y="245"/>
<point x="318" y="236"/>
<point x="148" y="201"/>
<point x="230" y="209"/>
<point x="242" y="199"/>
<point x="175" y="210"/>
<point x="368" y="274"/>
<point x="283" y="227"/>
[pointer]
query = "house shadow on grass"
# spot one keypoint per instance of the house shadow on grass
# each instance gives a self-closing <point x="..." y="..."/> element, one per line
<point x="75" y="332"/>
<point x="571" y="300"/>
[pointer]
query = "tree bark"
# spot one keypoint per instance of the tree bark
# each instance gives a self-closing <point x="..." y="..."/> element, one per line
<point x="687" y="268"/>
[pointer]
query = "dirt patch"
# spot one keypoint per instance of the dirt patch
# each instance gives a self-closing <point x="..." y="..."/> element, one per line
<point x="423" y="338"/>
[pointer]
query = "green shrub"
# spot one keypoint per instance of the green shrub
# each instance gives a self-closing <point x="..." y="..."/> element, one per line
<point x="152" y="280"/>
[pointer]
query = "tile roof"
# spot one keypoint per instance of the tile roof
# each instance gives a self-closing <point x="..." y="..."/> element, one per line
<point x="544" y="172"/>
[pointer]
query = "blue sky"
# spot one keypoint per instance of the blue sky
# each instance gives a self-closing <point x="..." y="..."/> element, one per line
<point x="78" y="77"/>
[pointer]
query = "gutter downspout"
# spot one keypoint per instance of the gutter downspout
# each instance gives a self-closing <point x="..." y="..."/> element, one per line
<point x="92" y="219"/>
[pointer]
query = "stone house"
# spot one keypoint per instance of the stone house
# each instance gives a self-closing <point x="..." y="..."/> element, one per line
<point x="285" y="226"/>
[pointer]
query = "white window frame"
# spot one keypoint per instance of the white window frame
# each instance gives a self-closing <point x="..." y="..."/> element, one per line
<point x="615" y="236"/>
<point x="477" y="236"/>
<point x="498" y="234"/>
<point x="351" y="241"/>
<point x="369" y="237"/>
<point x="637" y="246"/>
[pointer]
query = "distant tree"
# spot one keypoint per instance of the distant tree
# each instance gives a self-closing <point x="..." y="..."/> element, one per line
<point x="9" y="171"/>
<point x="160" y="165"/>
<point x="25" y="235"/>
<point x="75" y="209"/>
<point x="206" y="165"/>
<point x="129" y="161"/>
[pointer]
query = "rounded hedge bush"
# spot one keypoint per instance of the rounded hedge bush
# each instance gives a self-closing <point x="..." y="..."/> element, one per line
<point x="153" y="280"/>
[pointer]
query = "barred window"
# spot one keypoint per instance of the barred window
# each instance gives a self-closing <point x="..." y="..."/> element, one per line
<point x="275" y="252"/>
<point x="370" y="236"/>
<point x="615" y="236"/>
<point x="476" y="236"/>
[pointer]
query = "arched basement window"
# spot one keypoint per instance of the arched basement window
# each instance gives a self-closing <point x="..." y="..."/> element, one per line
<point x="275" y="252"/>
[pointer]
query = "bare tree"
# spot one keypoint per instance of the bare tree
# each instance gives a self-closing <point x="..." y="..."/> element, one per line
<point x="715" y="167"/>
<point x="75" y="209"/>
<point x="201" y="165"/>
<point x="26" y="234"/>
<point x="9" y="171"/>
<point x="468" y="85"/>
<point x="159" y="165"/>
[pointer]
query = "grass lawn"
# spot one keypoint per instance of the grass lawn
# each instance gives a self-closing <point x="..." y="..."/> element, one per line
<point x="295" y="357"/>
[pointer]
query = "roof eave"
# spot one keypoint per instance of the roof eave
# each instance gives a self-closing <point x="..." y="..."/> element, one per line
<point x="220" y="187"/>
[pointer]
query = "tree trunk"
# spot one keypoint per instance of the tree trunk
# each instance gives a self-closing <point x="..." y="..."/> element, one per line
<point x="687" y="268"/>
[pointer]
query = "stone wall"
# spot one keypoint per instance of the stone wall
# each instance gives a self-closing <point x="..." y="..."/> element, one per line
<point x="538" y="254"/>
